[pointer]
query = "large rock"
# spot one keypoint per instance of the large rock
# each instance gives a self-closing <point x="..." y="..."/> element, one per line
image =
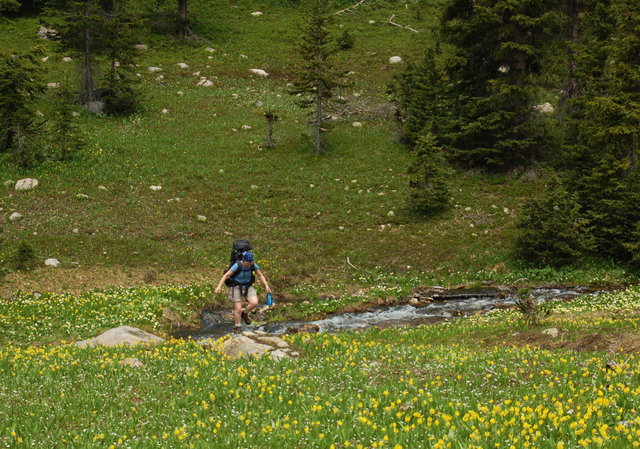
<point x="123" y="335"/>
<point x="244" y="346"/>
<point x="395" y="60"/>
<point x="26" y="184"/>
<point x="52" y="262"/>
<point x="48" y="33"/>
<point x="95" y="107"/>
<point x="16" y="216"/>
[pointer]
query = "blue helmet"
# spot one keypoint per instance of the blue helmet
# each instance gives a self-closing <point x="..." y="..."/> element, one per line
<point x="247" y="256"/>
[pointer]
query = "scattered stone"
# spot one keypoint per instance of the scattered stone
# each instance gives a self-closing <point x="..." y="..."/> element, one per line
<point x="210" y="50"/>
<point x="182" y="65"/>
<point x="371" y="22"/>
<point x="256" y="13"/>
<point x="75" y="114"/>
<point x="155" y="188"/>
<point x="102" y="188"/>
<point x="53" y="85"/>
<point x="160" y="78"/>
<point x="356" y="125"/>
<point x="39" y="113"/>
<point x="133" y="362"/>
<point x="141" y="47"/>
<point x="76" y="231"/>
<point x="123" y="335"/>
<point x="202" y="218"/>
<point x="545" y="108"/>
<point x="26" y="184"/>
<point x="552" y="332"/>
<point x="150" y="276"/>
<point x="258" y="103"/>
<point x="390" y="213"/>
<point x="82" y="196"/>
<point x="16" y="216"/>
<point x="261" y="73"/>
<point x="503" y="69"/>
<point x="272" y="341"/>
<point x="246" y="127"/>
<point x="278" y="355"/>
<point x="395" y="60"/>
<point x="414" y="301"/>
<point x="67" y="59"/>
<point x="303" y="328"/>
<point x="244" y="56"/>
<point x="52" y="263"/>
<point x="205" y="82"/>
<point x="243" y="346"/>
<point x="154" y="69"/>
<point x="164" y="111"/>
<point x="180" y="93"/>
<point x="47" y="33"/>
<point x="95" y="107"/>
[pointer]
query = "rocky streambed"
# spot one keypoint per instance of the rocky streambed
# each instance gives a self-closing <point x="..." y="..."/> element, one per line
<point x="424" y="306"/>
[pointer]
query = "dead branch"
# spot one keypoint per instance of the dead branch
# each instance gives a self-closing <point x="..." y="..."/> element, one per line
<point x="391" y="22"/>
<point x="350" y="8"/>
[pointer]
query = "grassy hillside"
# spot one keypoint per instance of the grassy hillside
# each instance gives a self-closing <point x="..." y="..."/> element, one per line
<point x="313" y="219"/>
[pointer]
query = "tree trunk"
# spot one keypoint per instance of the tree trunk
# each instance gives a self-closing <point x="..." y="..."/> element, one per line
<point x="183" y="28"/>
<point x="572" y="88"/>
<point x="87" y="69"/>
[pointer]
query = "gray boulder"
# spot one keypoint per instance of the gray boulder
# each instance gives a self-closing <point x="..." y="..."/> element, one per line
<point x="123" y="335"/>
<point x="244" y="346"/>
<point x="26" y="184"/>
<point x="95" y="107"/>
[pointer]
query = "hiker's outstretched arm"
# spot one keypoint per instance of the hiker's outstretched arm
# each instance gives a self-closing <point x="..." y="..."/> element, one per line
<point x="264" y="281"/>
<point x="224" y="277"/>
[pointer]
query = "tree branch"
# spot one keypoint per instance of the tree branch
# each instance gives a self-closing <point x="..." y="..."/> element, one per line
<point x="350" y="8"/>
<point x="391" y="22"/>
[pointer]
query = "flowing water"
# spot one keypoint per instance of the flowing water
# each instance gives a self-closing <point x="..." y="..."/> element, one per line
<point x="449" y="305"/>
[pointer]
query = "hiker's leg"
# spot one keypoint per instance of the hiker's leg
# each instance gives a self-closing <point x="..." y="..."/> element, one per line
<point x="236" y="298"/>
<point x="237" y="312"/>
<point x="252" y="299"/>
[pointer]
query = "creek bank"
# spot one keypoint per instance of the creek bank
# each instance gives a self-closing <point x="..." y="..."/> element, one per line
<point x="424" y="305"/>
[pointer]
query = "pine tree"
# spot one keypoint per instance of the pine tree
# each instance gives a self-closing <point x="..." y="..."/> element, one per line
<point x="603" y="162"/>
<point x="317" y="78"/>
<point x="553" y="230"/>
<point x="497" y="52"/>
<point x="67" y="137"/>
<point x="121" y="82"/>
<point x="429" y="176"/>
<point x="20" y="85"/>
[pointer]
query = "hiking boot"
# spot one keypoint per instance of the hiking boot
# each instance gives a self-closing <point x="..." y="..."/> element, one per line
<point x="237" y="330"/>
<point x="245" y="317"/>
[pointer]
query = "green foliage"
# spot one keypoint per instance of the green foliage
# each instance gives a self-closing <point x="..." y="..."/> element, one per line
<point x="346" y="40"/>
<point x="8" y="7"/>
<point x="317" y="78"/>
<point x="67" y="136"/>
<point x="602" y="153"/>
<point x="22" y="257"/>
<point x="421" y="99"/>
<point x="429" y="174"/>
<point x="531" y="312"/>
<point x="20" y="85"/>
<point x="552" y="229"/>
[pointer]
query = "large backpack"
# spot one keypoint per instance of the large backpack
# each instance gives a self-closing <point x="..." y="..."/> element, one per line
<point x="238" y="249"/>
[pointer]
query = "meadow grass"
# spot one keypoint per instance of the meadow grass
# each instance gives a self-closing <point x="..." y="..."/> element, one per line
<point x="431" y="386"/>
<point x="311" y="218"/>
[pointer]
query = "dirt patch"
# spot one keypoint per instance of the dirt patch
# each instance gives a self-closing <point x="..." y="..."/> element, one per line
<point x="608" y="342"/>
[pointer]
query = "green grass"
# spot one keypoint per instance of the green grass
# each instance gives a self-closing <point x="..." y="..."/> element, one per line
<point x="308" y="216"/>
<point x="467" y="383"/>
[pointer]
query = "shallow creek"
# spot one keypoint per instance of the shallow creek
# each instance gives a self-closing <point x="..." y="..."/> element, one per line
<point x="447" y="305"/>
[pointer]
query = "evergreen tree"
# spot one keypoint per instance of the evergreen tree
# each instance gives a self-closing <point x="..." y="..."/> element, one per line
<point x="603" y="163"/>
<point x="420" y="95"/>
<point x="67" y="137"/>
<point x="429" y="176"/>
<point x="121" y="83"/>
<point x="497" y="52"/>
<point x="552" y="228"/>
<point x="20" y="84"/>
<point x="317" y="78"/>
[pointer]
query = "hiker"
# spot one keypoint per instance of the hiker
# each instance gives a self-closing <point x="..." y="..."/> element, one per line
<point x="241" y="287"/>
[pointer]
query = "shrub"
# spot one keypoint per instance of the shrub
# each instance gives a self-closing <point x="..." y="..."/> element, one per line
<point x="22" y="257"/>
<point x="346" y="40"/>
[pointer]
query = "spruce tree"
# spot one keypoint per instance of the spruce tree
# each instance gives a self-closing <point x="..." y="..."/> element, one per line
<point x="317" y="78"/>
<point x="496" y="54"/>
<point x="603" y="161"/>
<point x="429" y="174"/>
<point x="20" y="85"/>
